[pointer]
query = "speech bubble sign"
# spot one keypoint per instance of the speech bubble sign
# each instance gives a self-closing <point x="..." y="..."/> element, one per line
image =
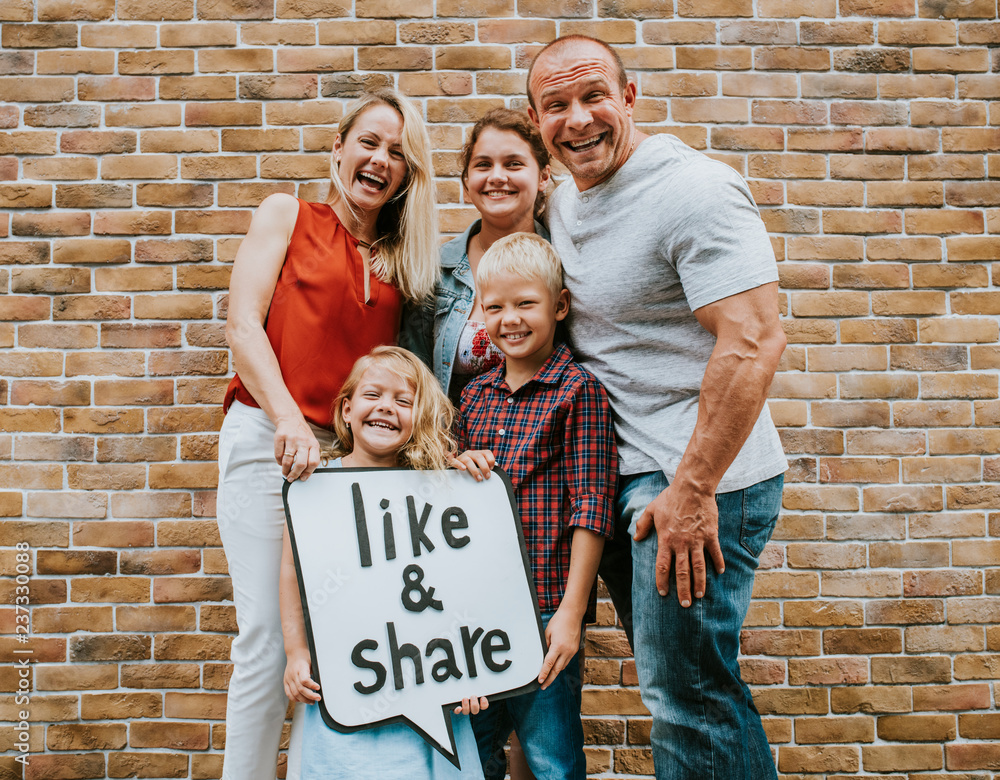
<point x="417" y="592"/>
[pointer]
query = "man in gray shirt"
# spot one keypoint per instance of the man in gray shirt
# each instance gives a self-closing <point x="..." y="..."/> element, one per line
<point x="675" y="310"/>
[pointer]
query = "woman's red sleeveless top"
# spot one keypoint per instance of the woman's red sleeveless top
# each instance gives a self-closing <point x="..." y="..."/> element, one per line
<point x="318" y="322"/>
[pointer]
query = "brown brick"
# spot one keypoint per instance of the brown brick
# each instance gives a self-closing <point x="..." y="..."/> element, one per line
<point x="981" y="442"/>
<point x="826" y="671"/>
<point x="217" y="618"/>
<point x="86" y="736"/>
<point x="67" y="765"/>
<point x="140" y="166"/>
<point x="73" y="677"/>
<point x="870" y="699"/>
<point x="843" y="729"/>
<point x="64" y="168"/>
<point x="117" y="647"/>
<point x="132" y="279"/>
<point x="161" y="562"/>
<point x="139" y="764"/>
<point x="157" y="10"/>
<point x="132" y="223"/>
<point x="951" y="697"/>
<point x="101" y="477"/>
<point x="975" y="726"/>
<point x="198" y="589"/>
<point x="110" y="589"/>
<point x="143" y="392"/>
<point x="791" y="701"/>
<point x="176" y="736"/>
<point x="62" y="619"/>
<point x="110" y="364"/>
<point x="159" y="675"/>
<point x="57" y="504"/>
<point x="189" y="533"/>
<point x="818" y="759"/>
<point x="85" y="196"/>
<point x="191" y="647"/>
<point x="161" y="505"/>
<point x="394" y="57"/>
<point x="225" y="114"/>
<point x="195" y="705"/>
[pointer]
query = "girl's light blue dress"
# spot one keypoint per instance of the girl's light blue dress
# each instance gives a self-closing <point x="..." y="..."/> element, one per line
<point x="390" y="752"/>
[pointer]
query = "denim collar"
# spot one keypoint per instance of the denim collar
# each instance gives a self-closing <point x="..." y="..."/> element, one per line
<point x="454" y="253"/>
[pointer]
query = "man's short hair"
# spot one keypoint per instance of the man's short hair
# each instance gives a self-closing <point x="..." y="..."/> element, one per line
<point x="525" y="255"/>
<point x="620" y="73"/>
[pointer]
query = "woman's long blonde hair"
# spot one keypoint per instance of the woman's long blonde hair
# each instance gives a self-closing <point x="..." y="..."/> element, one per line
<point x="430" y="444"/>
<point x="406" y="250"/>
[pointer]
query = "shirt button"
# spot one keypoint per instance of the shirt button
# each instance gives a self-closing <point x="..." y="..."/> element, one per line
<point x="510" y="400"/>
<point x="586" y="199"/>
<point x="501" y="432"/>
<point x="579" y="222"/>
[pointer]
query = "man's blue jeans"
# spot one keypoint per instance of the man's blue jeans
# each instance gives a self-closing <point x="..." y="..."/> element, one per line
<point x="705" y="724"/>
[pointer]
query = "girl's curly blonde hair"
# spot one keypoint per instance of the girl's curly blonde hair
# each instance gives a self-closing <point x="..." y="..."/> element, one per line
<point x="430" y="445"/>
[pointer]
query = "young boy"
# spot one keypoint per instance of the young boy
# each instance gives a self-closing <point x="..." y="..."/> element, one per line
<point x="547" y="423"/>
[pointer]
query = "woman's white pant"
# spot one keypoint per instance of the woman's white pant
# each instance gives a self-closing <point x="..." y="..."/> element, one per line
<point x="251" y="520"/>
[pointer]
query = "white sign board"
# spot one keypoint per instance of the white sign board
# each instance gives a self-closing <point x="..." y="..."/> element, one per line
<point x="417" y="593"/>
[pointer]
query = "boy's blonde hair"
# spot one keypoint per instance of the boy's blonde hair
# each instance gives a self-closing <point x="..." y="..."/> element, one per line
<point x="406" y="251"/>
<point x="430" y="444"/>
<point x="526" y="255"/>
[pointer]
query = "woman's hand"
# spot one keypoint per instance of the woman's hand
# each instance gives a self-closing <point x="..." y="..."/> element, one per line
<point x="479" y="463"/>
<point x="472" y="706"/>
<point x="299" y="684"/>
<point x="296" y="449"/>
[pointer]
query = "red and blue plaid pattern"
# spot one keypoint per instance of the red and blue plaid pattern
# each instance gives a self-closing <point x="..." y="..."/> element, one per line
<point x="554" y="437"/>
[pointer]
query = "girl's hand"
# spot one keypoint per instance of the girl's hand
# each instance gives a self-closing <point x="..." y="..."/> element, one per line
<point x="478" y="463"/>
<point x="563" y="637"/>
<point x="299" y="685"/>
<point x="295" y="449"/>
<point x="472" y="706"/>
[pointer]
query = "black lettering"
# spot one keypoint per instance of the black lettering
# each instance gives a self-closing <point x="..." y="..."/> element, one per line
<point x="390" y="539"/>
<point x="453" y="518"/>
<point x="496" y="641"/>
<point x="447" y="666"/>
<point x="417" y="535"/>
<point x="397" y="653"/>
<point x="363" y="663"/>
<point x="361" y="524"/>
<point x="469" y="645"/>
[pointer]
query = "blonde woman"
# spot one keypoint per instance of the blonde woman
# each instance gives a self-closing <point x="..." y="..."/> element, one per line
<point x="314" y="287"/>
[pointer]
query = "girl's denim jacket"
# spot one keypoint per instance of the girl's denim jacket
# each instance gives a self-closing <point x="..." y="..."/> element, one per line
<point x="432" y="331"/>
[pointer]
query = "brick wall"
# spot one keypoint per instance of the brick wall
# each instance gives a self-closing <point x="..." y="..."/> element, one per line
<point x="139" y="135"/>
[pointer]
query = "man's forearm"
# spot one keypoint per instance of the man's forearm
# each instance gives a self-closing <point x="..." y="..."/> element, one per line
<point x="735" y="387"/>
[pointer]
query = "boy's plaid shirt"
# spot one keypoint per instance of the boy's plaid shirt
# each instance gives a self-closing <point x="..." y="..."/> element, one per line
<point x="555" y="439"/>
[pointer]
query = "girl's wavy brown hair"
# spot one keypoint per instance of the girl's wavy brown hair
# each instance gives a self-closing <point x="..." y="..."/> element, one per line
<point x="430" y="445"/>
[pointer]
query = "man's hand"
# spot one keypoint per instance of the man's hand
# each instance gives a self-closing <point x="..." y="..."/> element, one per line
<point x="687" y="526"/>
